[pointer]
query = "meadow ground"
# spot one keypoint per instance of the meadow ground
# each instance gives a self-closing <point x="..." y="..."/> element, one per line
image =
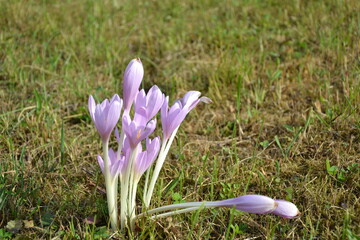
<point x="284" y="122"/>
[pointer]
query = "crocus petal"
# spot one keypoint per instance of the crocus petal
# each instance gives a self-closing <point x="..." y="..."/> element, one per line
<point x="286" y="209"/>
<point x="113" y="116"/>
<point x="140" y="100"/>
<point x="135" y="133"/>
<point x="154" y="101"/>
<point x="205" y="100"/>
<point x="146" y="158"/>
<point x="101" y="163"/>
<point x="112" y="156"/>
<point x="148" y="105"/>
<point x="133" y="75"/>
<point x="105" y="115"/>
<point x="149" y="129"/>
<point x="164" y="117"/>
<point x="141" y="163"/>
<point x="190" y="97"/>
<point x="115" y="98"/>
<point x="115" y="168"/>
<point x="251" y="203"/>
<point x="91" y="106"/>
<point x="172" y="118"/>
<point x="117" y="135"/>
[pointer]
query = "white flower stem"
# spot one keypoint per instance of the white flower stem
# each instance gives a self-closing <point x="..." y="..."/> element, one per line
<point x="133" y="202"/>
<point x="181" y="205"/>
<point x="175" y="212"/>
<point x="126" y="187"/>
<point x="146" y="182"/>
<point x="185" y="207"/>
<point x="159" y="163"/>
<point x="110" y="184"/>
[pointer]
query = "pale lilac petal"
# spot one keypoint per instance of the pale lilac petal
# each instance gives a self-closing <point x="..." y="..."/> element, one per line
<point x="148" y="105"/>
<point x="251" y="203"/>
<point x="126" y="147"/>
<point x="140" y="100"/>
<point x="123" y="164"/>
<point x="152" y="148"/>
<point x="91" y="106"/>
<point x="173" y="117"/>
<point x="98" y="120"/>
<point x="117" y="135"/>
<point x="205" y="100"/>
<point x="101" y="163"/>
<point x="105" y="115"/>
<point x="115" y="168"/>
<point x="133" y="75"/>
<point x="175" y="109"/>
<point x="112" y="156"/>
<point x="164" y="116"/>
<point x="155" y="99"/>
<point x="126" y="125"/>
<point x="146" y="158"/>
<point x="115" y="98"/>
<point x="140" y="163"/>
<point x="140" y="116"/>
<point x="286" y="209"/>
<point x="150" y="127"/>
<point x="113" y="116"/>
<point x="136" y="133"/>
<point x="190" y="97"/>
<point x="176" y="120"/>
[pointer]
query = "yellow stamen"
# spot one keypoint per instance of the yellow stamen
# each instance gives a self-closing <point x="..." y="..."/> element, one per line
<point x="138" y="134"/>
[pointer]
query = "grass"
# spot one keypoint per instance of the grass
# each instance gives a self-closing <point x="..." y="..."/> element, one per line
<point x="284" y="79"/>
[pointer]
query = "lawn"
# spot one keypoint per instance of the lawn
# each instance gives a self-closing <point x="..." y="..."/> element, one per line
<point x="284" y="78"/>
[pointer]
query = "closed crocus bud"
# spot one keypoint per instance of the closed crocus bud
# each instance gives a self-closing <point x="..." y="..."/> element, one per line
<point x="133" y="76"/>
<point x="105" y="115"/>
<point x="251" y="204"/>
<point x="286" y="209"/>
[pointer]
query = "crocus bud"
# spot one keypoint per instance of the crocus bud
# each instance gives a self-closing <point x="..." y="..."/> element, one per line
<point x="105" y="115"/>
<point x="251" y="203"/>
<point x="286" y="209"/>
<point x="133" y="76"/>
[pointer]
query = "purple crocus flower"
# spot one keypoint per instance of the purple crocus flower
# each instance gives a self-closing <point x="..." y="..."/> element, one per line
<point x="105" y="115"/>
<point x="148" y="105"/>
<point x="133" y="76"/>
<point x="286" y="209"/>
<point x="248" y="203"/>
<point x="116" y="165"/>
<point x="146" y="158"/>
<point x="258" y="204"/>
<point x="172" y="118"/>
<point x="136" y="132"/>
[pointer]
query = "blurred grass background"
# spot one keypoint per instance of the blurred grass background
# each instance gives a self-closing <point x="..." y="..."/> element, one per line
<point x="284" y="79"/>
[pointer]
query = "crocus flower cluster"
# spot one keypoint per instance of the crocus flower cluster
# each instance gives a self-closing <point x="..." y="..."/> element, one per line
<point x="138" y="151"/>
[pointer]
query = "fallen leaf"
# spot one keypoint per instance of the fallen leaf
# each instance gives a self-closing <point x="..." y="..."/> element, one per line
<point x="28" y="223"/>
<point x="14" y="226"/>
